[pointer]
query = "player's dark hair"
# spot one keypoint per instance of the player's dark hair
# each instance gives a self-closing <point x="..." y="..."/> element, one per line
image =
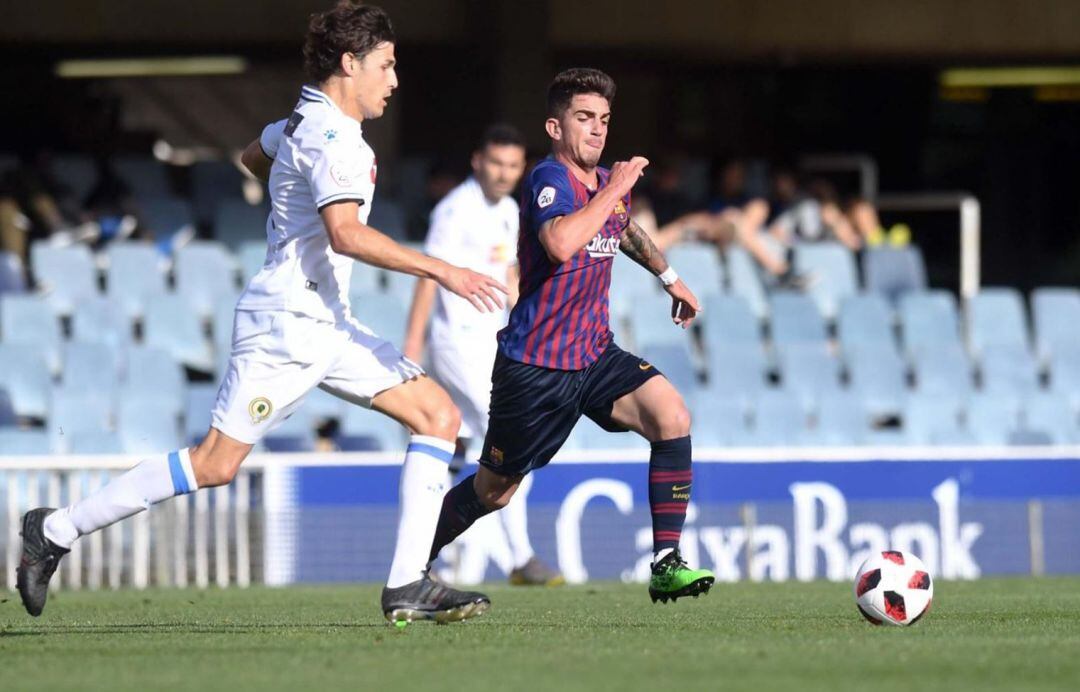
<point x="577" y="80"/>
<point x="348" y="27"/>
<point x="501" y="134"/>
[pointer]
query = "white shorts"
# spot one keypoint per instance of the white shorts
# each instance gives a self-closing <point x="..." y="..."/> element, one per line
<point x="278" y="357"/>
<point x="464" y="371"/>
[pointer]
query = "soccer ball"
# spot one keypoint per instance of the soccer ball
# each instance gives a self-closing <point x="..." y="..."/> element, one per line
<point x="893" y="588"/>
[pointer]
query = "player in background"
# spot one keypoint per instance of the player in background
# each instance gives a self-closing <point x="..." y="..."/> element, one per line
<point x="476" y="226"/>
<point x="294" y="329"/>
<point x="557" y="357"/>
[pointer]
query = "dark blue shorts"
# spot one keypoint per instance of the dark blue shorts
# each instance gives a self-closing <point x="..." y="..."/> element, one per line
<point x="534" y="409"/>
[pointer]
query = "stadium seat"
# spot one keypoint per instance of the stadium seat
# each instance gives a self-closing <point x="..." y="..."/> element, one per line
<point x="77" y="412"/>
<point x="221" y="322"/>
<point x="1065" y="371"/>
<point x="1053" y="414"/>
<point x="878" y="377"/>
<point x="865" y="319"/>
<point x="736" y="370"/>
<point x="100" y="320"/>
<point x="152" y="373"/>
<point x="98" y="442"/>
<point x="213" y="185"/>
<point x="402" y="286"/>
<point x="252" y="257"/>
<point x="699" y="267"/>
<point x="198" y="405"/>
<point x="236" y="222"/>
<point x="992" y="417"/>
<point x="1056" y="316"/>
<point x="651" y="325"/>
<point x="996" y="317"/>
<point x="808" y="370"/>
<point x="388" y="217"/>
<point x="90" y="367"/>
<point x="929" y="319"/>
<point x="932" y="419"/>
<point x="1008" y="368"/>
<point x="840" y="420"/>
<point x="627" y="280"/>
<point x="136" y="272"/>
<point x="365" y="279"/>
<point x="745" y="282"/>
<point x="148" y="424"/>
<point x="795" y="319"/>
<point x="728" y="319"/>
<point x="383" y="314"/>
<point x="25" y="376"/>
<point x="8" y="417"/>
<point x="12" y="273"/>
<point x="717" y="420"/>
<point x="894" y="272"/>
<point x="170" y="326"/>
<point x="778" y="420"/>
<point x="144" y="176"/>
<point x="27" y="319"/>
<point x="15" y="442"/>
<point x="676" y="362"/>
<point x="64" y="274"/>
<point x="204" y="271"/>
<point x="363" y="430"/>
<point x="166" y="216"/>
<point x="835" y="276"/>
<point x="943" y="369"/>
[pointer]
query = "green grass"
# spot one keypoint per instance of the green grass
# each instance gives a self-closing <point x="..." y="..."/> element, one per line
<point x="991" y="634"/>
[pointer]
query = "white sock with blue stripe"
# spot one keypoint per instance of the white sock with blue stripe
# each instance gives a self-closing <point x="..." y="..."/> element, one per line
<point x="151" y="481"/>
<point x="425" y="477"/>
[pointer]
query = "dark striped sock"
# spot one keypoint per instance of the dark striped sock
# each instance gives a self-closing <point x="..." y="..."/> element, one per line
<point x="461" y="507"/>
<point x="669" y="490"/>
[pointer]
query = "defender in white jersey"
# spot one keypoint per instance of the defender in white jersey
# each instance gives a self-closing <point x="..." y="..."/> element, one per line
<point x="476" y="226"/>
<point x="294" y="329"/>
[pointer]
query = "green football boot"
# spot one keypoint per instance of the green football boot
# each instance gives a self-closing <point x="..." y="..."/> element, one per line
<point x="672" y="578"/>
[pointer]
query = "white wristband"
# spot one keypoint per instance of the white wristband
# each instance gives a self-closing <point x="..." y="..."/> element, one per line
<point x="668" y="276"/>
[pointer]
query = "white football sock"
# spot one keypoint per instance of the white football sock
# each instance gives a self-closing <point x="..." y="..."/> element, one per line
<point x="424" y="481"/>
<point x="515" y="522"/>
<point x="151" y="481"/>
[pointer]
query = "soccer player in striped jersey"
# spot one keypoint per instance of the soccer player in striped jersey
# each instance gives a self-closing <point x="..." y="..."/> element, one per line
<point x="557" y="359"/>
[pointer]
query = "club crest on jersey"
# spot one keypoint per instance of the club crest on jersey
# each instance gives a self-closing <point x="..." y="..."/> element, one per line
<point x="331" y="135"/>
<point x="260" y="409"/>
<point x="620" y="211"/>
<point x="340" y="175"/>
<point x="546" y="197"/>
<point x="600" y="246"/>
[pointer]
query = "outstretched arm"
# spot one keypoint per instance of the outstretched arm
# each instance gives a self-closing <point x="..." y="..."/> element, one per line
<point x="637" y="245"/>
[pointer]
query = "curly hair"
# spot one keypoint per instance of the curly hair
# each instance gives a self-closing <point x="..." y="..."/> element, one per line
<point x="348" y="27"/>
<point x="577" y="80"/>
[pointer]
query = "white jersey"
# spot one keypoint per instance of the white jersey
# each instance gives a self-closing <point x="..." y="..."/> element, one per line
<point x="320" y="157"/>
<point x="470" y="231"/>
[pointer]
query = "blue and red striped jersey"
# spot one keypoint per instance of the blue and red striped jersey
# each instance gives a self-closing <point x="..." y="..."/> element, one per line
<point x="561" y="317"/>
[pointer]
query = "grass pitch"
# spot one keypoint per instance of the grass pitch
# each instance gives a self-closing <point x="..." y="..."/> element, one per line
<point x="1006" y="634"/>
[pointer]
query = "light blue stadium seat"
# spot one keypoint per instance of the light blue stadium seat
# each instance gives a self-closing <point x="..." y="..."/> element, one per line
<point x="943" y="369"/>
<point x="204" y="271"/>
<point x="402" y="286"/>
<point x="388" y="217"/>
<point x="383" y="314"/>
<point x="171" y="326"/>
<point x="295" y="434"/>
<point x="992" y="417"/>
<point x="365" y="430"/>
<point x="932" y="419"/>
<point x="25" y="376"/>
<point x="795" y="319"/>
<point x="27" y="319"/>
<point x="236" y="222"/>
<point x="996" y="317"/>
<point x="1065" y="371"/>
<point x="675" y="361"/>
<point x="153" y="373"/>
<point x="99" y="320"/>
<point x="717" y="419"/>
<point x="651" y="324"/>
<point x="1008" y="368"/>
<point x="1056" y="316"/>
<point x="221" y="322"/>
<point x="12" y="273"/>
<point x="699" y="266"/>
<point x="365" y="279"/>
<point x="8" y="417"/>
<point x="878" y="377"/>
<point x="627" y="280"/>
<point x="198" y="404"/>
<point x="166" y="216"/>
<point x="835" y="276"/>
<point x="841" y="420"/>
<point x="64" y="274"/>
<point x="14" y="442"/>
<point x="779" y="420"/>
<point x="728" y="319"/>
<point x="136" y="272"/>
<point x="148" y="425"/>
<point x="808" y="370"/>
<point x="99" y="442"/>
<point x="865" y="319"/>
<point x="894" y="272"/>
<point x="736" y="370"/>
<point x="929" y="319"/>
<point x="745" y="281"/>
<point x="76" y="171"/>
<point x="251" y="257"/>
<point x="1053" y="414"/>
<point x="213" y="184"/>
<point x="77" y="412"/>
<point x="144" y="176"/>
<point x="90" y="367"/>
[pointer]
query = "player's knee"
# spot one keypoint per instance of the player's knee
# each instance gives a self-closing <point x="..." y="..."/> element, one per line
<point x="443" y="420"/>
<point x="673" y="422"/>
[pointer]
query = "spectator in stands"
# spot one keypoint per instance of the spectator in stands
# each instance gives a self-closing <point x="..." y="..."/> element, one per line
<point x="863" y="218"/>
<point x="110" y="204"/>
<point x="665" y="189"/>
